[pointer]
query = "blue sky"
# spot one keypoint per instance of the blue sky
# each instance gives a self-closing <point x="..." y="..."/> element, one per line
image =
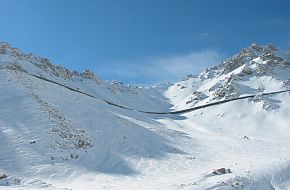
<point x="142" y="41"/>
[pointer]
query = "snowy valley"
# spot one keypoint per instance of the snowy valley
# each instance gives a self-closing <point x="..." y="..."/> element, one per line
<point x="52" y="137"/>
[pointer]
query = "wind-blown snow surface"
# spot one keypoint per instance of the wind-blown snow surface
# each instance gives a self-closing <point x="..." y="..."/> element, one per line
<point x="53" y="138"/>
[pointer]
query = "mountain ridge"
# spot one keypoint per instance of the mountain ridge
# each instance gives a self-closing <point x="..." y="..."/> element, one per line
<point x="51" y="138"/>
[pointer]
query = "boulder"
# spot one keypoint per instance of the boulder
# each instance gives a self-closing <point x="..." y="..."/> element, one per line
<point x="221" y="171"/>
<point x="3" y="176"/>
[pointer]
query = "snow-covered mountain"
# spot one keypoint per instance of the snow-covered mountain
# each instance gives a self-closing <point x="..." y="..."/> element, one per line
<point x="53" y="137"/>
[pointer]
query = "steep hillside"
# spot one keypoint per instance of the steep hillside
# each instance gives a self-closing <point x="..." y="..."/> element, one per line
<point x="255" y="69"/>
<point x="66" y="132"/>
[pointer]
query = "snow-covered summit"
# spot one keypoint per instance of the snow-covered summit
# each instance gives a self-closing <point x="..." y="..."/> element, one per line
<point x="254" y="54"/>
<point x="263" y="68"/>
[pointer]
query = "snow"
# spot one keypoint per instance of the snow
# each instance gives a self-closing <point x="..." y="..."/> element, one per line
<point x="53" y="138"/>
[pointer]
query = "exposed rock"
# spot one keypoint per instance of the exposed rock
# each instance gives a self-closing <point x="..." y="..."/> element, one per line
<point x="227" y="90"/>
<point x="32" y="142"/>
<point x="2" y="176"/>
<point x="87" y="74"/>
<point x="246" y="137"/>
<point x="246" y="71"/>
<point x="182" y="87"/>
<point x="221" y="171"/>
<point x="196" y="96"/>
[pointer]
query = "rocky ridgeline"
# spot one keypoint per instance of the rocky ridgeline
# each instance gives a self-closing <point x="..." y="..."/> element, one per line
<point x="44" y="64"/>
<point x="16" y="60"/>
<point x="253" y="61"/>
<point x="248" y="55"/>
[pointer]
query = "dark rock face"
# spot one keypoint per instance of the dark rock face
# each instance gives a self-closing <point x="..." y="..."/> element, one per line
<point x="2" y="176"/>
<point x="221" y="171"/>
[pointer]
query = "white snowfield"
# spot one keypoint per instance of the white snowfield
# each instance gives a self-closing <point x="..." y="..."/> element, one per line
<point x="54" y="138"/>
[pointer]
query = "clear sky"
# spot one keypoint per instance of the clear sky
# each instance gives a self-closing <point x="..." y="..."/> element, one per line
<point x="142" y="41"/>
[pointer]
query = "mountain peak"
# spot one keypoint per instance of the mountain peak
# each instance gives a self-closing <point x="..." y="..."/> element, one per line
<point x="261" y="48"/>
<point x="264" y="68"/>
<point x="267" y="55"/>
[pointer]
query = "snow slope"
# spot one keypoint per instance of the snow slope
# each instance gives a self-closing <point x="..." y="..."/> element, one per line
<point x="53" y="138"/>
